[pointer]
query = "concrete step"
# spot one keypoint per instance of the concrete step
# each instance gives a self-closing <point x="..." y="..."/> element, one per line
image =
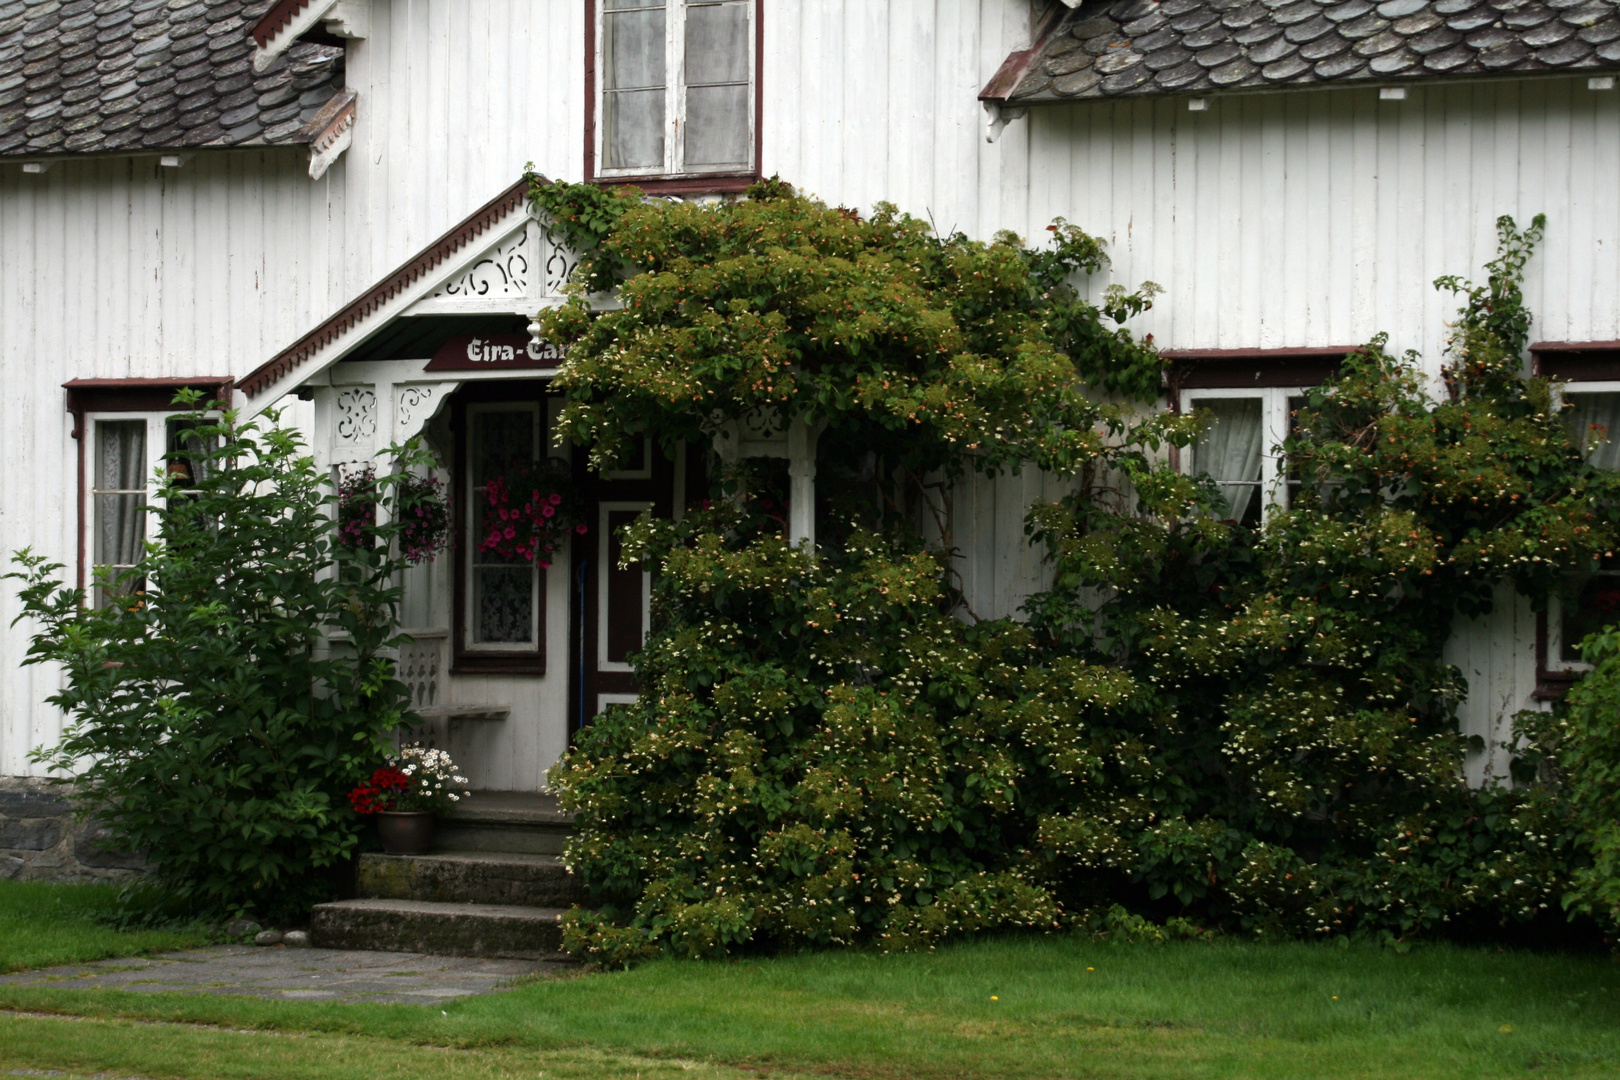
<point x="523" y="822"/>
<point x="469" y="877"/>
<point x="422" y="926"/>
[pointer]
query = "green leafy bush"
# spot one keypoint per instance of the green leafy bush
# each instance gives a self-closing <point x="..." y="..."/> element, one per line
<point x="1586" y="736"/>
<point x="1253" y="729"/>
<point x="223" y="706"/>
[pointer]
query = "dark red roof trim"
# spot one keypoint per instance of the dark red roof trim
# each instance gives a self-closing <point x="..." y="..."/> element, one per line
<point x="1574" y="346"/>
<point x="1016" y="65"/>
<point x="136" y="395"/>
<point x="1206" y="355"/>
<point x="271" y="22"/>
<point x="385" y="290"/>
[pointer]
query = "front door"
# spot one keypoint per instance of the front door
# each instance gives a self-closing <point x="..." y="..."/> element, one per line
<point x="611" y="603"/>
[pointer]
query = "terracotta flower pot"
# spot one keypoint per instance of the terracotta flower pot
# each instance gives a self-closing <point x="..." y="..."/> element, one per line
<point x="405" y="832"/>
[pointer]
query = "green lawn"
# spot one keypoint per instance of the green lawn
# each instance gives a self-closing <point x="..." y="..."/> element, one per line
<point x="1011" y="1007"/>
<point x="42" y="925"/>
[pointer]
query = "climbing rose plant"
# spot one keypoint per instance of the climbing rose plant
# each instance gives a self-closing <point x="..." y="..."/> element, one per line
<point x="1253" y="729"/>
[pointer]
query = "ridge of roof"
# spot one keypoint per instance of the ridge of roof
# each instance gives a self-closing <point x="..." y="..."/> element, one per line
<point x="1119" y="48"/>
<point x="82" y="76"/>
<point x="392" y="284"/>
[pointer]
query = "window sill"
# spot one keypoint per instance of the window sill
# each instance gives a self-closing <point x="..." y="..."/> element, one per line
<point x="1553" y="685"/>
<point x="689" y="184"/>
<point x="498" y="665"/>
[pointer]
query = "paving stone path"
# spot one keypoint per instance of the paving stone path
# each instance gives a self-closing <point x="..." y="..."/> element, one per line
<point x="290" y="974"/>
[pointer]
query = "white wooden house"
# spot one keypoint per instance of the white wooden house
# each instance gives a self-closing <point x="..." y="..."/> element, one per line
<point x="317" y="202"/>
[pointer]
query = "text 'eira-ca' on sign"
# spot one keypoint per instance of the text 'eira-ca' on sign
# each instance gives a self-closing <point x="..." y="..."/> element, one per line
<point x="494" y="352"/>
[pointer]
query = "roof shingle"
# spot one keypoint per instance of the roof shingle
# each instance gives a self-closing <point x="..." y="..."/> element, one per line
<point x="1111" y="48"/>
<point x="83" y="77"/>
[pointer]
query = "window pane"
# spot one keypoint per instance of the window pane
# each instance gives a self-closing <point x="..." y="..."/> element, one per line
<point x="500" y="440"/>
<point x="1594" y="423"/>
<point x="188" y="454"/>
<point x="1589" y="605"/>
<point x="503" y="604"/>
<point x="717" y="125"/>
<point x="633" y="49"/>
<point x="633" y="129"/>
<point x="118" y="508"/>
<point x="716" y="43"/>
<point x="1229" y="450"/>
<point x="633" y="85"/>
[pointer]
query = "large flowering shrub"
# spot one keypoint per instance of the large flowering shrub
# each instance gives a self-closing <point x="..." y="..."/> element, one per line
<point x="1252" y="728"/>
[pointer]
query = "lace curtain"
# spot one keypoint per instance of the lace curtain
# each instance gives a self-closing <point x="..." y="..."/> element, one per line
<point x="1594" y="422"/>
<point x="120" y="498"/>
<point x="1229" y="450"/>
<point x="633" y="81"/>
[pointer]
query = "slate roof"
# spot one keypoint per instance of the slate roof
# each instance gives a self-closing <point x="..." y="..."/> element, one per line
<point x="88" y="76"/>
<point x="1111" y="48"/>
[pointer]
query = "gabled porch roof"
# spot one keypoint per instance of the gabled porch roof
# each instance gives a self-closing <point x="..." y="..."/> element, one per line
<point x="495" y="264"/>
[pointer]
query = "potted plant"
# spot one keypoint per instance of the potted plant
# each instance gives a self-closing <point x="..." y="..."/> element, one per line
<point x="421" y="510"/>
<point x="404" y="796"/>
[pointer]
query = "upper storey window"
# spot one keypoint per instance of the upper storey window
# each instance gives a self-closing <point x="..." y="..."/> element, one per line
<point x="1250" y="398"/>
<point x="675" y="88"/>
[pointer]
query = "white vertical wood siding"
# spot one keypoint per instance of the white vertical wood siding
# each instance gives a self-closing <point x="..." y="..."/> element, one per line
<point x="1321" y="218"/>
<point x="120" y="269"/>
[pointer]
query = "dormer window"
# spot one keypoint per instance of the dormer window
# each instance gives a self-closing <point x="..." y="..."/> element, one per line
<point x="675" y="89"/>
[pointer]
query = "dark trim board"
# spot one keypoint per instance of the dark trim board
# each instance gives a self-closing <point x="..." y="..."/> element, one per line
<point x="1576" y="361"/>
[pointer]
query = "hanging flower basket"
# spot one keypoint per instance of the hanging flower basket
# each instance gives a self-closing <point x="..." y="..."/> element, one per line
<point x="530" y="510"/>
<point x="357" y="508"/>
<point x="421" y="508"/>
<point x="425" y="521"/>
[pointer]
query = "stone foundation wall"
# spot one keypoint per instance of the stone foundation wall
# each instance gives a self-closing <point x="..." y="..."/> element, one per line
<point x="40" y="840"/>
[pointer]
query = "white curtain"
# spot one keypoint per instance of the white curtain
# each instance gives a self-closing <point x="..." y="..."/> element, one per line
<point x="1229" y="449"/>
<point x="1594" y="422"/>
<point x="633" y="84"/>
<point x="717" y="49"/>
<point x="120" y="493"/>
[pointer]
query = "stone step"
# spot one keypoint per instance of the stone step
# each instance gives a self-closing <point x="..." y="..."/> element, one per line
<point x="422" y="926"/>
<point x="469" y="877"/>
<point x="524" y="822"/>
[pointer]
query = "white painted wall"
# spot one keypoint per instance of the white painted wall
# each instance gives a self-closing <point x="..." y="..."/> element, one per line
<point x="1313" y="218"/>
<point x="1322" y="217"/>
<point x="120" y="269"/>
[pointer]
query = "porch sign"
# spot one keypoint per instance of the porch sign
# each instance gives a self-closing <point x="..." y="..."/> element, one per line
<point x="494" y="352"/>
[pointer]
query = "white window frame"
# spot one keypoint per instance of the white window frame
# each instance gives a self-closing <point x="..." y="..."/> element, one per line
<point x="675" y="95"/>
<point x="1274" y="417"/>
<point x="1555" y="603"/>
<point x="469" y="629"/>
